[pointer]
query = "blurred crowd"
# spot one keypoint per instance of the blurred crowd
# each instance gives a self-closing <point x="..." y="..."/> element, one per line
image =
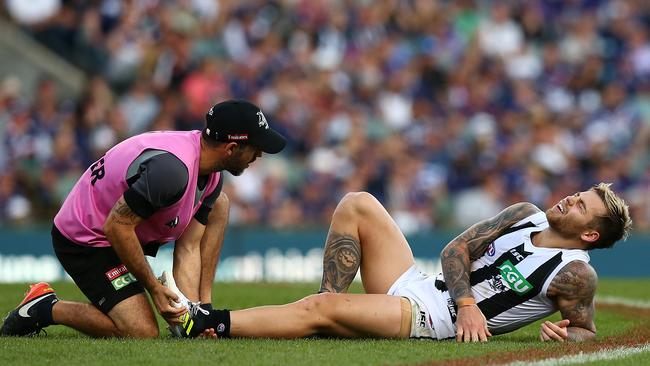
<point x="446" y="111"/>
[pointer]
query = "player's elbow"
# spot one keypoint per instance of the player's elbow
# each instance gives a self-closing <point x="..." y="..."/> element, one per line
<point x="111" y="229"/>
<point x="454" y="249"/>
<point x="222" y="202"/>
<point x="578" y="334"/>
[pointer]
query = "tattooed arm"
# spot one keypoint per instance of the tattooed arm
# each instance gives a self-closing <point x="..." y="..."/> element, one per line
<point x="456" y="258"/>
<point x="573" y="290"/>
<point x="120" y="231"/>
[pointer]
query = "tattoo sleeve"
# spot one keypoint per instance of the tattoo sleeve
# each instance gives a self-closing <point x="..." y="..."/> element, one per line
<point x="341" y="261"/>
<point x="122" y="214"/>
<point x="120" y="232"/>
<point x="573" y="289"/>
<point x="471" y="244"/>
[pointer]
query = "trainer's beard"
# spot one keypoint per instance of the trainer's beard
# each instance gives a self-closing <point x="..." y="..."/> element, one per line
<point x="235" y="172"/>
<point x="234" y="166"/>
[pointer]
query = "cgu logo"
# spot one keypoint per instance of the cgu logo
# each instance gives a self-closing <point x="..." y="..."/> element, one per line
<point x="515" y="280"/>
<point x="124" y="280"/>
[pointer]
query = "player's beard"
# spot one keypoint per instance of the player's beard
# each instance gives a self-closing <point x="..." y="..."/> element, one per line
<point x="561" y="225"/>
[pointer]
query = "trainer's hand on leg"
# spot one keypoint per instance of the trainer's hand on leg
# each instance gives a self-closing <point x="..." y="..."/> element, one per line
<point x="471" y="325"/>
<point x="554" y="331"/>
<point x="162" y="297"/>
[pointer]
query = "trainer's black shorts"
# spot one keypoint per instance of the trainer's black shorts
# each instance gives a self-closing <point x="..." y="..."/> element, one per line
<point x="98" y="272"/>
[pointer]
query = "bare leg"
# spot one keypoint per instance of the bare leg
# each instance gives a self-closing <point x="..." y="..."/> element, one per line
<point x="211" y="244"/>
<point x="135" y="318"/>
<point x="85" y="318"/>
<point x="132" y="317"/>
<point x="363" y="235"/>
<point x="342" y="315"/>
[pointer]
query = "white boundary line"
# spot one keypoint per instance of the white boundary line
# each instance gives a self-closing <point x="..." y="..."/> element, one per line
<point x="602" y="355"/>
<point x="614" y="300"/>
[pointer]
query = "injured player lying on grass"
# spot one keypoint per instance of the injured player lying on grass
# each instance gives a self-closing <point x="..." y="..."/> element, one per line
<point x="499" y="275"/>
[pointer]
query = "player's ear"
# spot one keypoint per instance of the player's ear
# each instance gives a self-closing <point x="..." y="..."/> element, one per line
<point x="590" y="236"/>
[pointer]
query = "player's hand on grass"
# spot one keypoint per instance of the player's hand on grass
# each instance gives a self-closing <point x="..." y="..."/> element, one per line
<point x="554" y="331"/>
<point x="162" y="298"/>
<point x="471" y="325"/>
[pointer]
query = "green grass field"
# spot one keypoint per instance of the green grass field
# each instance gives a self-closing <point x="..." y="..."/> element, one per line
<point x="66" y="346"/>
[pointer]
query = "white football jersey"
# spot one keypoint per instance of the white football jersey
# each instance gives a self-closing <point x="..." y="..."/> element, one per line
<point x="510" y="280"/>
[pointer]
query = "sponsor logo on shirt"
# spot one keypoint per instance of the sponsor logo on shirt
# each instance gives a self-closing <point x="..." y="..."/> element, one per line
<point x="451" y="306"/>
<point x="517" y="255"/>
<point x="514" y="279"/>
<point x="496" y="284"/>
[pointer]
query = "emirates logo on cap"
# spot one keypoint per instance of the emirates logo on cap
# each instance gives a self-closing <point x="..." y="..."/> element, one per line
<point x="238" y="137"/>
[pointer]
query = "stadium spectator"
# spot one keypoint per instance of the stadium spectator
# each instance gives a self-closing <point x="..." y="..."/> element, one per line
<point x="348" y="81"/>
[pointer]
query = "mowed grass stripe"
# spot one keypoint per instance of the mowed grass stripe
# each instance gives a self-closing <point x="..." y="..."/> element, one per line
<point x="64" y="345"/>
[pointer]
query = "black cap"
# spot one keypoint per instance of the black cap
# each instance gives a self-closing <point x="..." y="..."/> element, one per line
<point x="242" y="121"/>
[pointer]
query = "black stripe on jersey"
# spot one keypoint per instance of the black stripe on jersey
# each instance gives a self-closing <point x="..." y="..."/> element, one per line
<point x="492" y="270"/>
<point x="504" y="301"/>
<point x="514" y="255"/>
<point x="512" y="229"/>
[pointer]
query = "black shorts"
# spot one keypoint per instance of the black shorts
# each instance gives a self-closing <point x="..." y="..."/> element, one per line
<point x="99" y="272"/>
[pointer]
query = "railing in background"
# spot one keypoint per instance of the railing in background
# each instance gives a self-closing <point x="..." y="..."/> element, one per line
<point x="257" y="254"/>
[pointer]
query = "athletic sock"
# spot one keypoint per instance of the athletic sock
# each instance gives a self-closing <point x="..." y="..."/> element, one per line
<point x="44" y="312"/>
<point x="207" y="307"/>
<point x="219" y="320"/>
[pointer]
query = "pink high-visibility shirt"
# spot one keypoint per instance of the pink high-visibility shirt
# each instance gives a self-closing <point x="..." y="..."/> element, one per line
<point x="82" y="215"/>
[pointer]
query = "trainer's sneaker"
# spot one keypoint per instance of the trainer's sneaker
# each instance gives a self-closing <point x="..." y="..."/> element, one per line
<point x="32" y="314"/>
<point x="167" y="280"/>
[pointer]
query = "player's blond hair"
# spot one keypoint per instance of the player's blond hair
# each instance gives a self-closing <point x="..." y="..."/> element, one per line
<point x="616" y="224"/>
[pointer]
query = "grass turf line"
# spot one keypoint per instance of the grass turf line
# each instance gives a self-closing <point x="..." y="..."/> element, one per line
<point x="64" y="345"/>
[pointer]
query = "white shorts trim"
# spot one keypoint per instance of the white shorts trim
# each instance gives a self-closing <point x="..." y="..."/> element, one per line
<point x="431" y="316"/>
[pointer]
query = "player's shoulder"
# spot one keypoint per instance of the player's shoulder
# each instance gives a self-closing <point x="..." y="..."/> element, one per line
<point x="520" y="211"/>
<point x="576" y="279"/>
<point x="525" y="207"/>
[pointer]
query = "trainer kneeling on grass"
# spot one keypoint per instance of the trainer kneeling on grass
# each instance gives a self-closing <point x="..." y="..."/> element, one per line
<point x="148" y="190"/>
<point x="499" y="275"/>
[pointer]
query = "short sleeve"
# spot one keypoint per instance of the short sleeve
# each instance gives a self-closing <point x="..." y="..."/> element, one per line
<point x="160" y="182"/>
